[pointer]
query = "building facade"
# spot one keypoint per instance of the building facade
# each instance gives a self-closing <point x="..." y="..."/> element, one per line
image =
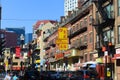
<point x="19" y="31"/>
<point x="28" y="38"/>
<point x="41" y="30"/>
<point x="70" y="5"/>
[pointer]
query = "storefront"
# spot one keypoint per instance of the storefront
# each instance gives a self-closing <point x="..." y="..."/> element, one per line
<point x="116" y="59"/>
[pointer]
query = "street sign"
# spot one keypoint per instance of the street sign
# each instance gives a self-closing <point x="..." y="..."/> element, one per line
<point x="62" y="33"/>
<point x="62" y="41"/>
<point x="63" y="46"/>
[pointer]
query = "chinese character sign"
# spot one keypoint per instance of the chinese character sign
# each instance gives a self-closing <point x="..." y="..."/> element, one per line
<point x="62" y="33"/>
<point x="63" y="46"/>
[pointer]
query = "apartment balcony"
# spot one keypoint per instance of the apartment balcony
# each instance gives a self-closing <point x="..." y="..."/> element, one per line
<point x="99" y="21"/>
<point x="79" y="45"/>
<point x="52" y="55"/>
<point x="74" y="32"/>
<point x="48" y="33"/>
<point x="105" y="16"/>
<point x="52" y="43"/>
<point x="72" y="45"/>
<point x="100" y="1"/>
<point x="46" y="56"/>
<point x="45" y="38"/>
<point x="46" y="47"/>
<point x="82" y="46"/>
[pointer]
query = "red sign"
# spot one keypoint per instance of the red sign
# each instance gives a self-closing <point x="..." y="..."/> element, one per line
<point x="17" y="68"/>
<point x="117" y="56"/>
<point x="29" y="53"/>
<point x="59" y="56"/>
<point x="17" y="51"/>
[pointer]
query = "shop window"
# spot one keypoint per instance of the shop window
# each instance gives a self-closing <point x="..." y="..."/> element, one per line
<point x="15" y="63"/>
<point x="118" y="62"/>
<point x="75" y="60"/>
<point x="118" y="7"/>
<point x="17" y="58"/>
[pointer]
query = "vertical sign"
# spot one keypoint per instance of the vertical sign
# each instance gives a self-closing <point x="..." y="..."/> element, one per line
<point x="62" y="40"/>
<point x="17" y="52"/>
<point x="62" y="33"/>
<point x="63" y="46"/>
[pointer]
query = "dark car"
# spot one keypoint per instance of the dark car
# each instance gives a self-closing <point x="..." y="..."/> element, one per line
<point x="31" y="75"/>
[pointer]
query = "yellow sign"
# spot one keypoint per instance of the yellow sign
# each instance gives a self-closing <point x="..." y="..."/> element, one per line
<point x="62" y="33"/>
<point x="62" y="41"/>
<point x="63" y="46"/>
<point x="108" y="74"/>
<point x="37" y="61"/>
<point x="6" y="63"/>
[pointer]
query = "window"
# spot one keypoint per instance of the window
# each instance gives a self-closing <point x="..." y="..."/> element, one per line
<point x="119" y="34"/>
<point x="85" y="57"/>
<point x="15" y="63"/>
<point x="85" y="22"/>
<point x="90" y="19"/>
<point x="91" y="56"/>
<point x="97" y="38"/>
<point x="109" y="10"/>
<point x="74" y="29"/>
<point x="118" y="62"/>
<point x="80" y="40"/>
<point x="91" y="37"/>
<point x="17" y="58"/>
<point x="118" y="7"/>
<point x="85" y="38"/>
<point x="110" y="35"/>
<point x="77" y="27"/>
<point x="81" y="23"/>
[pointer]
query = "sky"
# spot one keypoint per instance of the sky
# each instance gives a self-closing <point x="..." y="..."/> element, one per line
<point x="25" y="13"/>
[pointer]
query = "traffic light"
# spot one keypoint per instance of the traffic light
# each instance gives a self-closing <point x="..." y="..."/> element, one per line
<point x="111" y="49"/>
<point x="2" y="44"/>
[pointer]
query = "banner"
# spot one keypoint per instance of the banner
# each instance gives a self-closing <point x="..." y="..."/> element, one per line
<point x="17" y="51"/>
<point x="29" y="53"/>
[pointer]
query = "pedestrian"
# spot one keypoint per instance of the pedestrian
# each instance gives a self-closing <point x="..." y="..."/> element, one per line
<point x="8" y="76"/>
<point x="15" y="77"/>
<point x="93" y="73"/>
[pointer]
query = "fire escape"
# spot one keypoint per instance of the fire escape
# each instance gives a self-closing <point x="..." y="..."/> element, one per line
<point x="104" y="19"/>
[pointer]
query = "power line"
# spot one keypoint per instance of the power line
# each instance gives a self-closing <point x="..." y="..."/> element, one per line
<point x="21" y="19"/>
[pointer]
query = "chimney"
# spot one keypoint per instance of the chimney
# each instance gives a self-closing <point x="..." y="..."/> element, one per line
<point x="62" y="19"/>
<point x="80" y="2"/>
<point x="69" y="13"/>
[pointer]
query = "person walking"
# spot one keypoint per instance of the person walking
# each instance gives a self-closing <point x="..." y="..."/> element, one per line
<point x="8" y="76"/>
<point x="15" y="77"/>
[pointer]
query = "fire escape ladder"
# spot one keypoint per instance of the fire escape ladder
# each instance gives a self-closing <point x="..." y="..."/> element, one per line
<point x="107" y="19"/>
<point x="101" y="10"/>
